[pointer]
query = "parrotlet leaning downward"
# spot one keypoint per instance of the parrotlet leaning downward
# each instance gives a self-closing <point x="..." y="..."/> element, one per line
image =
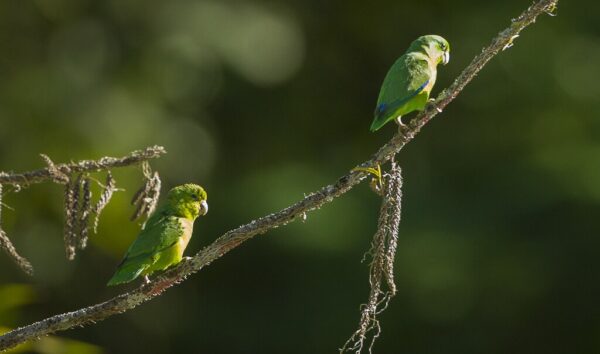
<point x="166" y="235"/>
<point x="407" y="85"/>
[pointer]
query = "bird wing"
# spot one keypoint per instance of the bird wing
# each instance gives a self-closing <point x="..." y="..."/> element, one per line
<point x="408" y="77"/>
<point x="160" y="233"/>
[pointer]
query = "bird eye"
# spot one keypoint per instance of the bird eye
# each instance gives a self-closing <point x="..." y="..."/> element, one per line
<point x="195" y="197"/>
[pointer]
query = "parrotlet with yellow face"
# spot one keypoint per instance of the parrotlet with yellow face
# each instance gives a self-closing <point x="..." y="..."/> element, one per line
<point x="407" y="85"/>
<point x="166" y="235"/>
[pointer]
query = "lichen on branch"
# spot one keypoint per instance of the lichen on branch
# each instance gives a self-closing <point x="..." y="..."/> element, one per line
<point x="103" y="164"/>
<point x="298" y="210"/>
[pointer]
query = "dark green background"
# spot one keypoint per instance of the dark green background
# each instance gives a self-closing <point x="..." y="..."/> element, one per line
<point x="264" y="101"/>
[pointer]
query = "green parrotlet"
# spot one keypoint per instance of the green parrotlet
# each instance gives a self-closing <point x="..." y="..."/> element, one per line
<point x="407" y="85"/>
<point x="165" y="236"/>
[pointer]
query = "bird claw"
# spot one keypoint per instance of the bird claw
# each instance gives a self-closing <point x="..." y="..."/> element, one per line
<point x="186" y="258"/>
<point x="146" y="279"/>
<point x="398" y="121"/>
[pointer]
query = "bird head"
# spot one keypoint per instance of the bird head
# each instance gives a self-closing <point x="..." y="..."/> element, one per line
<point x="436" y="47"/>
<point x="188" y="200"/>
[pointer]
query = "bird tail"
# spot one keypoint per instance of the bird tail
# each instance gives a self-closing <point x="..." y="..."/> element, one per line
<point x="388" y="111"/>
<point x="384" y="113"/>
<point x="127" y="271"/>
<point x="377" y="123"/>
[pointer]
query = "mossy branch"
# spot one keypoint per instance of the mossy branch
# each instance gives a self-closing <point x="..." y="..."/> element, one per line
<point x="234" y="238"/>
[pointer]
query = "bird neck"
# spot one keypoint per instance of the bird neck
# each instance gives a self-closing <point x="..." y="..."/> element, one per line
<point x="187" y="210"/>
<point x="433" y="54"/>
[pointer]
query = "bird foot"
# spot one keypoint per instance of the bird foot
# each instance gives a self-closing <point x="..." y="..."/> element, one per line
<point x="146" y="279"/>
<point x="398" y="121"/>
<point x="186" y="258"/>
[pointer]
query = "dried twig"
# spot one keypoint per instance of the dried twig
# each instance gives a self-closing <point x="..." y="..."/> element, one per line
<point x="85" y="209"/>
<point x="52" y="171"/>
<point x="235" y="237"/>
<point x="108" y="189"/>
<point x="70" y="205"/>
<point x="383" y="249"/>
<point x="8" y="247"/>
<point x="394" y="211"/>
<point x="55" y="174"/>
<point x="146" y="198"/>
<point x="78" y="210"/>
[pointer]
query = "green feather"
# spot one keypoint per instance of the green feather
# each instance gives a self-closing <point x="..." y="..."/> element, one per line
<point x="162" y="242"/>
<point x="407" y="85"/>
<point x="128" y="271"/>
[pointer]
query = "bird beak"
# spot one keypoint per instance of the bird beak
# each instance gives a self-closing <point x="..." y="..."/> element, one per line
<point x="445" y="58"/>
<point x="203" y="207"/>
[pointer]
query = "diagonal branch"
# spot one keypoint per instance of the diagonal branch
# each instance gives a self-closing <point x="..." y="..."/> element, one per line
<point x="235" y="237"/>
<point x="55" y="172"/>
<point x="502" y="41"/>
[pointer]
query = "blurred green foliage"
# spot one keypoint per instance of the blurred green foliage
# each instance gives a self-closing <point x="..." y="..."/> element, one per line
<point x="262" y="102"/>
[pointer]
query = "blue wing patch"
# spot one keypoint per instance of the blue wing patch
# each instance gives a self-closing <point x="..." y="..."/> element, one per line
<point x="420" y="88"/>
<point x="380" y="109"/>
<point x="383" y="108"/>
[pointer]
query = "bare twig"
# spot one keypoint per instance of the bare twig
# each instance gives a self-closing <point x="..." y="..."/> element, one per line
<point x="146" y="198"/>
<point x="55" y="174"/>
<point x="70" y="228"/>
<point x="77" y="210"/>
<point x="85" y="209"/>
<point x="108" y="189"/>
<point x="235" y="237"/>
<point x="52" y="171"/>
<point x="8" y="247"/>
<point x="394" y="201"/>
